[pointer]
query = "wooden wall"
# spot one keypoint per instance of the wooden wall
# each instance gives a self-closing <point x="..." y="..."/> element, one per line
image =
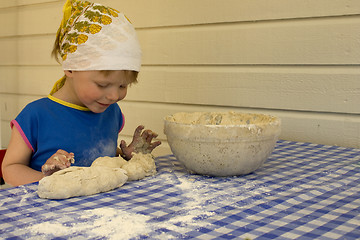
<point x="299" y="60"/>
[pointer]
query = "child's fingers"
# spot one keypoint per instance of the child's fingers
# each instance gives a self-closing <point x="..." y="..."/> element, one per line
<point x="153" y="135"/>
<point x="68" y="156"/>
<point x="64" y="158"/>
<point x="145" y="135"/>
<point x="48" y="169"/>
<point x="126" y="152"/>
<point x="122" y="145"/>
<point x="138" y="130"/>
<point x="154" y="145"/>
<point x="60" y="160"/>
<point x="149" y="135"/>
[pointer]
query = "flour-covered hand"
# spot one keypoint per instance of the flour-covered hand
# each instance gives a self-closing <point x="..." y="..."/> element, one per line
<point x="142" y="143"/>
<point x="60" y="160"/>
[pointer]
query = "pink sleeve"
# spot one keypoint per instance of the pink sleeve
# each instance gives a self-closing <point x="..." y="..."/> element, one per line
<point x="16" y="124"/>
<point x="123" y="122"/>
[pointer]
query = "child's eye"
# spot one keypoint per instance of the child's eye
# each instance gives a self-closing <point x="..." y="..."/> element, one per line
<point x="102" y="85"/>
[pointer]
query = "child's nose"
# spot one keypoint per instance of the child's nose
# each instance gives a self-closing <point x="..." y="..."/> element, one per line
<point x="113" y="95"/>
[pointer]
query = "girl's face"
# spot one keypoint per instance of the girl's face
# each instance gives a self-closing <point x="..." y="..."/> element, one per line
<point x="96" y="90"/>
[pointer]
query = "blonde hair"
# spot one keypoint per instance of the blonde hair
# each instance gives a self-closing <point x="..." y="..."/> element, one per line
<point x="131" y="78"/>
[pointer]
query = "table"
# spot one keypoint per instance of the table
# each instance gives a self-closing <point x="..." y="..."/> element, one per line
<point x="303" y="191"/>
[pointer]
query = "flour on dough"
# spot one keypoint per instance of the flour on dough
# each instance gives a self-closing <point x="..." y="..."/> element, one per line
<point x="81" y="181"/>
<point x="139" y="166"/>
<point x="105" y="174"/>
<point x="112" y="162"/>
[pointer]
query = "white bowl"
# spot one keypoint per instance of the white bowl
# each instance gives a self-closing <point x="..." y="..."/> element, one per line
<point x="221" y="143"/>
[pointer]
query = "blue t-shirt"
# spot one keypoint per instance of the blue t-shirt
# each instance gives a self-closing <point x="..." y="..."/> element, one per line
<point x="49" y="124"/>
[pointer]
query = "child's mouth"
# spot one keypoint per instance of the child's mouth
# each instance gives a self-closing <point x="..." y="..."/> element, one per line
<point x="104" y="105"/>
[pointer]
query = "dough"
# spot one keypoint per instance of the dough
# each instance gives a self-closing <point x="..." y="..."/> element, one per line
<point x="81" y="181"/>
<point x="105" y="174"/>
<point x="140" y="165"/>
<point x="112" y="162"/>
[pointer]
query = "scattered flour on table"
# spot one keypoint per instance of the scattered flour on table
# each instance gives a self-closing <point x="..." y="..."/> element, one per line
<point x="119" y="224"/>
<point x="114" y="224"/>
<point x="105" y="223"/>
<point x="20" y="194"/>
<point x="200" y="200"/>
<point x="202" y="193"/>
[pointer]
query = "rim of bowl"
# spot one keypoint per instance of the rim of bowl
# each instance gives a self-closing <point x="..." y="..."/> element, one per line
<point x="276" y="121"/>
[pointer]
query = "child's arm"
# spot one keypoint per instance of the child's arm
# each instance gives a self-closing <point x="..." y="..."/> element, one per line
<point x="15" y="167"/>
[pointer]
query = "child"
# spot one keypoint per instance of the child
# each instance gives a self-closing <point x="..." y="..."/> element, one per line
<point x="80" y="119"/>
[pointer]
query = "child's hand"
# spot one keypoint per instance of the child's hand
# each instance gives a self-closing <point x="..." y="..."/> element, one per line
<point x="142" y="142"/>
<point x="60" y="160"/>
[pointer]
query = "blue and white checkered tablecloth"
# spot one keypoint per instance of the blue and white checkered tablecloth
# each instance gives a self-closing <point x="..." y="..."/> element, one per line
<point x="303" y="191"/>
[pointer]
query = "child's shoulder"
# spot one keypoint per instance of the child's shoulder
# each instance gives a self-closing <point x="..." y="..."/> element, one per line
<point x="39" y="102"/>
<point x="38" y="105"/>
<point x="34" y="109"/>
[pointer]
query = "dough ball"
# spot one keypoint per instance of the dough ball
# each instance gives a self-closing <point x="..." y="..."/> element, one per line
<point x="134" y="171"/>
<point x="81" y="181"/>
<point x="140" y="166"/>
<point x="112" y="162"/>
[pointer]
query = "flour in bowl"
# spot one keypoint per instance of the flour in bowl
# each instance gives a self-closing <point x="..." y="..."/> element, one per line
<point x="220" y="118"/>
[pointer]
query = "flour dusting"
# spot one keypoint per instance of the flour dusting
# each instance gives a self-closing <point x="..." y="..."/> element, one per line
<point x="201" y="199"/>
<point x="106" y="223"/>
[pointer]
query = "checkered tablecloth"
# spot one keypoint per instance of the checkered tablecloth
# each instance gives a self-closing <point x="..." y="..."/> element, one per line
<point x="303" y="191"/>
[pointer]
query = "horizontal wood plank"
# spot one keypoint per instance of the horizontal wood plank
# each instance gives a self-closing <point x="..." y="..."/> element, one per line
<point x="40" y="18"/>
<point x="286" y="43"/>
<point x="9" y="80"/>
<point x="322" y="89"/>
<point x="9" y="51"/>
<point x="39" y="53"/>
<point x="31" y="2"/>
<point x="8" y="18"/>
<point x="7" y="4"/>
<point x="29" y="80"/>
<point x="296" y="43"/>
<point x="331" y="129"/>
<point x="162" y="13"/>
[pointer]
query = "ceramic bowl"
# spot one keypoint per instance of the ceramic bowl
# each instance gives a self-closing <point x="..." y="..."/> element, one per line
<point x="221" y="143"/>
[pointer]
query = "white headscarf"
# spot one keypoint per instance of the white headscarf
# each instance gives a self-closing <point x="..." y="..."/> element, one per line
<point x="95" y="37"/>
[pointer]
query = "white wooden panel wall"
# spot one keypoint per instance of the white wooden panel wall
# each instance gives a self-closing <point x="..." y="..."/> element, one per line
<point x="299" y="60"/>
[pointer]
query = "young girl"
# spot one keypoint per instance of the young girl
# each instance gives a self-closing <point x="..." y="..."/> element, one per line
<point x="80" y="120"/>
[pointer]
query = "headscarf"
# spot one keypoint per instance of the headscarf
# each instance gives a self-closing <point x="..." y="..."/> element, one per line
<point x="94" y="37"/>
